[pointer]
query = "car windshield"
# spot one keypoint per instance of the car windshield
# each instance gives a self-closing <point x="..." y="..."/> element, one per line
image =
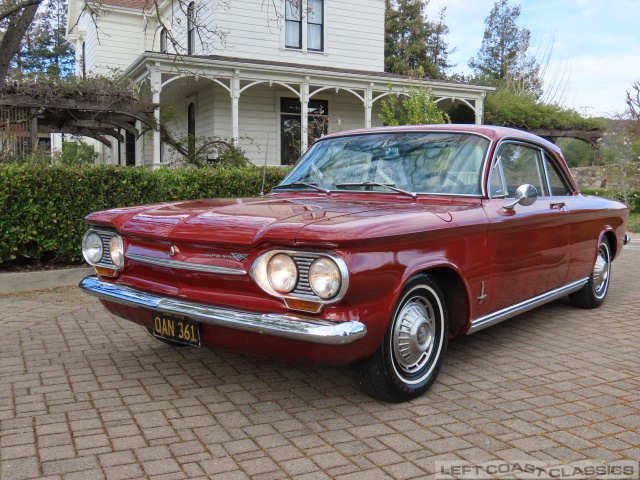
<point x="447" y="163"/>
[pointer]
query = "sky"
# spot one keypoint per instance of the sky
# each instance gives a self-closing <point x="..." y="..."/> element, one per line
<point x="595" y="46"/>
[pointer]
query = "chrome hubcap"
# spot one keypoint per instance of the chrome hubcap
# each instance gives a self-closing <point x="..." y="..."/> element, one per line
<point x="413" y="335"/>
<point x="601" y="272"/>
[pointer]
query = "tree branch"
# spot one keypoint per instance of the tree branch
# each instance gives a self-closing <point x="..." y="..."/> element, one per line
<point x="9" y="11"/>
<point x="10" y="44"/>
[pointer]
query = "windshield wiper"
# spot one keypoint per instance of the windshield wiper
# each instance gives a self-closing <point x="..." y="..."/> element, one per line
<point x="303" y="184"/>
<point x="390" y="186"/>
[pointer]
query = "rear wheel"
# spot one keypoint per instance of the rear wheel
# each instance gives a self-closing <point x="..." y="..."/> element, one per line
<point x="593" y="293"/>
<point x="409" y="358"/>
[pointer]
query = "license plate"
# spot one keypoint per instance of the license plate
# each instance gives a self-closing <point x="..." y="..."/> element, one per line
<point x="176" y="328"/>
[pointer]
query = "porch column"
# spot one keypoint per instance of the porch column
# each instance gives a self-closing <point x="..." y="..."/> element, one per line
<point x="156" y="85"/>
<point x="235" y="106"/>
<point x="479" y="110"/>
<point x="304" y="114"/>
<point x="139" y="144"/>
<point x="33" y="128"/>
<point x="368" y="101"/>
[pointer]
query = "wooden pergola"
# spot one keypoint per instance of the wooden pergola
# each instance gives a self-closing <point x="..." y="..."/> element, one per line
<point x="591" y="137"/>
<point x="95" y="116"/>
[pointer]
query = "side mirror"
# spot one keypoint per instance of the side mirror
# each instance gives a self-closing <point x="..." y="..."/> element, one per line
<point x="525" y="195"/>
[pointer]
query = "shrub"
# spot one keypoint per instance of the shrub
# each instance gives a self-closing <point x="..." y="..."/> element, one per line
<point x="77" y="153"/>
<point x="416" y="108"/>
<point x="521" y="111"/>
<point x="42" y="207"/>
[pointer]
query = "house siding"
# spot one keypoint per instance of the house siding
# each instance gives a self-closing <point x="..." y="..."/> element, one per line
<point x="120" y="41"/>
<point x="354" y="34"/>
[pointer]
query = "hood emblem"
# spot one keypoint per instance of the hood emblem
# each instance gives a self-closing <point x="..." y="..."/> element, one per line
<point x="172" y="251"/>
<point x="239" y="256"/>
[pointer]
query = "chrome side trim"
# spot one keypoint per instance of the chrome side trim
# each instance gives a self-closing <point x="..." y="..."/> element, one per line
<point x="306" y="329"/>
<point x="506" y="313"/>
<point x="176" y="264"/>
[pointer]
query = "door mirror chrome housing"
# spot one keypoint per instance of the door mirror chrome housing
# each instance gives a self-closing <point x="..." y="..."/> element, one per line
<point x="526" y="195"/>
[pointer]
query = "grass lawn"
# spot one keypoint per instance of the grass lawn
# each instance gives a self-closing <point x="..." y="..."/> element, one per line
<point x="633" y="225"/>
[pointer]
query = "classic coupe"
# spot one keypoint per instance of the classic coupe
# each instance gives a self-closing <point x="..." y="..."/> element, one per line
<point x="378" y="247"/>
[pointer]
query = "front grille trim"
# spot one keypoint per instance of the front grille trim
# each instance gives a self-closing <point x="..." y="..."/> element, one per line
<point x="303" y="260"/>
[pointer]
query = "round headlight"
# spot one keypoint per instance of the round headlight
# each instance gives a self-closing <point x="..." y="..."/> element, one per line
<point x="92" y="248"/>
<point x="116" y="250"/>
<point x="324" y="278"/>
<point x="282" y="273"/>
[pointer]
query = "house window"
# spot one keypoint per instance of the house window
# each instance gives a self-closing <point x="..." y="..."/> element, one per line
<point x="311" y="13"/>
<point x="291" y="126"/>
<point x="191" y="128"/>
<point x="163" y="40"/>
<point x="130" y="150"/>
<point x="191" y="30"/>
<point x="293" y="23"/>
<point x="315" y="23"/>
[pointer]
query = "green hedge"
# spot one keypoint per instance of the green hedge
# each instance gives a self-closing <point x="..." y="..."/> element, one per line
<point x="42" y="207"/>
<point x="631" y="197"/>
<point x="523" y="111"/>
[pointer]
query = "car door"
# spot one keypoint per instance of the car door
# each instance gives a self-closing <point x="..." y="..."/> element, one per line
<point x="528" y="245"/>
<point x="585" y="222"/>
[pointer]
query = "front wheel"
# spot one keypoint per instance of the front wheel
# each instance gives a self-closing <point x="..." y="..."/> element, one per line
<point x="593" y="293"/>
<point x="408" y="360"/>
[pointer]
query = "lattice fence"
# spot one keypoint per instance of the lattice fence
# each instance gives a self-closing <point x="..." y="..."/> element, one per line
<point x="16" y="135"/>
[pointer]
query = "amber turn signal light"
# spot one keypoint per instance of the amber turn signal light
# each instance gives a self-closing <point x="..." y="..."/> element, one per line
<point x="303" y="305"/>
<point x="106" y="272"/>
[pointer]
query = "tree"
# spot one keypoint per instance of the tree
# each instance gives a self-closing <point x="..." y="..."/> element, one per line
<point x="16" y="17"/>
<point x="413" y="44"/>
<point x="44" y="48"/>
<point x="503" y="58"/>
<point x="415" y="108"/>
<point x="633" y="111"/>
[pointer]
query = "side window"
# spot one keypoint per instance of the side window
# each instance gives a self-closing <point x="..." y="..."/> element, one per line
<point x="163" y="40"/>
<point x="556" y="182"/>
<point x="516" y="165"/>
<point x="191" y="29"/>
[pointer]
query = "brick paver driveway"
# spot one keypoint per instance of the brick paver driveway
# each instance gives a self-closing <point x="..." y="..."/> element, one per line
<point x="85" y="395"/>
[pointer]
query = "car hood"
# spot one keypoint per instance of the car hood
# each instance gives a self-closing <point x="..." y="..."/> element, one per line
<point x="251" y="221"/>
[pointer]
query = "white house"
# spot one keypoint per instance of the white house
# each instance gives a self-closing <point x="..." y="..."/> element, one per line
<point x="283" y="67"/>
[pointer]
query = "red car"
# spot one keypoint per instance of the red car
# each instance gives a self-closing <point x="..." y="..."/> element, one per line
<point x="378" y="247"/>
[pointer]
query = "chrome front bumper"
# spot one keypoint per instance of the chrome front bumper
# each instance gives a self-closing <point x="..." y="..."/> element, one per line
<point x="306" y="329"/>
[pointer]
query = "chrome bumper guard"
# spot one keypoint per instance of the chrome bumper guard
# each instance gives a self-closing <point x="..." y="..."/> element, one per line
<point x="306" y="329"/>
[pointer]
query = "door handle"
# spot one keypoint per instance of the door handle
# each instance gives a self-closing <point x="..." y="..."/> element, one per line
<point x="557" y="205"/>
